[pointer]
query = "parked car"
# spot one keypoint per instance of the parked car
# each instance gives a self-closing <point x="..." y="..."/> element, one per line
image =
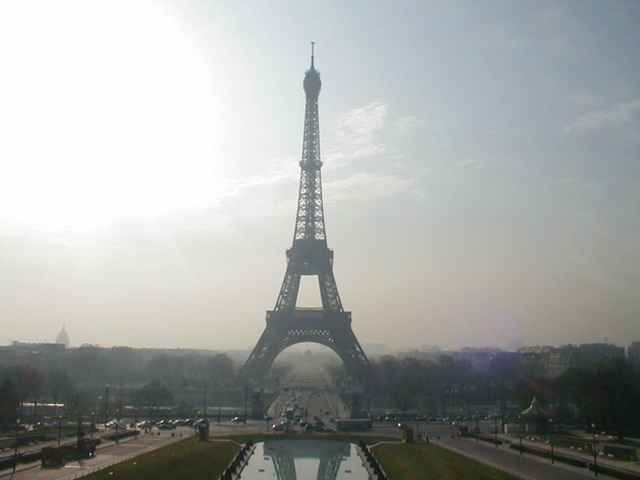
<point x="198" y="422"/>
<point x="279" y="427"/>
<point x="113" y="424"/>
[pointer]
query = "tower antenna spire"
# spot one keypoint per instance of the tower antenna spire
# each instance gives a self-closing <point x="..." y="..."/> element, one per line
<point x="313" y="44"/>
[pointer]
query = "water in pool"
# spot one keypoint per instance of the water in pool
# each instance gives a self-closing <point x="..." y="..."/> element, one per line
<point x="304" y="460"/>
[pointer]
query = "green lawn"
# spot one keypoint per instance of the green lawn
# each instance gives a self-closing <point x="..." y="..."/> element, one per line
<point x="187" y="459"/>
<point x="421" y="461"/>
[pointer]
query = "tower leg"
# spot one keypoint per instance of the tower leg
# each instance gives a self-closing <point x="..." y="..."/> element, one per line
<point x="329" y="292"/>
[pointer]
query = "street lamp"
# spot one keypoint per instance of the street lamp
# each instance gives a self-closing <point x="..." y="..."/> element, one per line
<point x="15" y="448"/>
<point x="59" y="429"/>
<point x="246" y="393"/>
<point x="521" y="432"/>
<point x="551" y="438"/>
<point x="595" y="450"/>
<point x="205" y="403"/>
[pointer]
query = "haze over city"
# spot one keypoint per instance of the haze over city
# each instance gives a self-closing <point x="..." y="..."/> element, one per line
<point x="481" y="169"/>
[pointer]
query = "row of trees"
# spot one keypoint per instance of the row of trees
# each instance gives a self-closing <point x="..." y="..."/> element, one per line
<point x="435" y="383"/>
<point x="89" y="365"/>
<point x="607" y="394"/>
<point x="23" y="383"/>
<point x="151" y="380"/>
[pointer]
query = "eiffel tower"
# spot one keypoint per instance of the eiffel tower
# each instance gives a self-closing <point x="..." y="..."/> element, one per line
<point x="309" y="255"/>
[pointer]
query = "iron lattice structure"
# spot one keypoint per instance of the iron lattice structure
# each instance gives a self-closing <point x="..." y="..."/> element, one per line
<point x="309" y="255"/>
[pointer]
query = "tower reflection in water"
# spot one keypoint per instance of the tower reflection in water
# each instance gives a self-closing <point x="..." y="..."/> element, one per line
<point x="305" y="459"/>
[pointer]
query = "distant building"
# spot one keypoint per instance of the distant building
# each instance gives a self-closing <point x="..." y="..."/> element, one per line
<point x="590" y="354"/>
<point x="63" y="337"/>
<point x="37" y="348"/>
<point x="559" y="360"/>
<point x="23" y="353"/>
<point x="487" y="360"/>
<point x="551" y="361"/>
<point x="633" y="352"/>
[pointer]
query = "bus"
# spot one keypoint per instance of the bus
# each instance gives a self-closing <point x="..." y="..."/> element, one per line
<point x="353" y="424"/>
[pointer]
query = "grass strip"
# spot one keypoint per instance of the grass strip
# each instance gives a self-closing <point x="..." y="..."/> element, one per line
<point x="187" y="459"/>
<point x="421" y="461"/>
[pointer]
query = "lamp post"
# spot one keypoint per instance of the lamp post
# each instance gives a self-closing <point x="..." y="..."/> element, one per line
<point x="205" y="403"/>
<point x="551" y="438"/>
<point x="595" y="450"/>
<point x="59" y="429"/>
<point x="520" y="433"/>
<point x="119" y="407"/>
<point x="79" y="432"/>
<point x="106" y="405"/>
<point x="246" y="394"/>
<point x="15" y="447"/>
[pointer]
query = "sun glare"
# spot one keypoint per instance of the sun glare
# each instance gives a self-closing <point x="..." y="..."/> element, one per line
<point x="107" y="111"/>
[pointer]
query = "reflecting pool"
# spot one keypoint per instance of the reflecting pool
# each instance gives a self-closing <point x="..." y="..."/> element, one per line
<point x="304" y="460"/>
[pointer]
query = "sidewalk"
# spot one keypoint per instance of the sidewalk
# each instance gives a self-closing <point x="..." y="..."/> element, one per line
<point x="633" y="467"/>
<point x="108" y="453"/>
<point x="524" y="467"/>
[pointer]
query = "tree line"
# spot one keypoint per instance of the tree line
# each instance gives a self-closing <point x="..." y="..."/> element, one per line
<point x="78" y="378"/>
<point x="606" y="394"/>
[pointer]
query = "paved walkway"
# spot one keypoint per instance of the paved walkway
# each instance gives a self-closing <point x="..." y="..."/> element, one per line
<point x="525" y="467"/>
<point x="106" y="455"/>
<point x="70" y="439"/>
<point x="633" y="467"/>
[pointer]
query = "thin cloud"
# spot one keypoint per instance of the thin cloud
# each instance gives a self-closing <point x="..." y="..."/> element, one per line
<point x="356" y="132"/>
<point x="468" y="163"/>
<point x="622" y="113"/>
<point x="285" y="170"/>
<point x="358" y="126"/>
<point x="407" y="124"/>
<point x="584" y="98"/>
<point x="368" y="186"/>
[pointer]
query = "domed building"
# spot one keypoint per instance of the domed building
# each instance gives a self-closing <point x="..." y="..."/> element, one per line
<point x="63" y="337"/>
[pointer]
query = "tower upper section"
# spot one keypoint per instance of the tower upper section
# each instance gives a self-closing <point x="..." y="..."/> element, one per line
<point x="312" y="81"/>
<point x="310" y="216"/>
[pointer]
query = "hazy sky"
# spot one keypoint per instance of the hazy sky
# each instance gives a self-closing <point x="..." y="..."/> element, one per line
<point x="482" y="168"/>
